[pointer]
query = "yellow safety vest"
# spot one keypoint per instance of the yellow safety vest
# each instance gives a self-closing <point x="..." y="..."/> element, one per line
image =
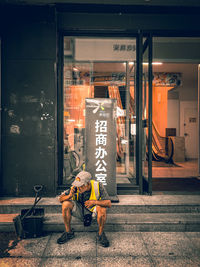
<point x="94" y="195"/>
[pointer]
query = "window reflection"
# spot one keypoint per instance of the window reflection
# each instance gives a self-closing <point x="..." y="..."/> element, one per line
<point x="83" y="79"/>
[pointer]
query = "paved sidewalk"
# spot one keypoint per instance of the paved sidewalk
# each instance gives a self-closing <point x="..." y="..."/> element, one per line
<point x="126" y="249"/>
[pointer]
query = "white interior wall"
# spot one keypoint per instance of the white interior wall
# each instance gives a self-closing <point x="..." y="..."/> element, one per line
<point x="183" y="106"/>
<point x="186" y="92"/>
<point x="173" y="118"/>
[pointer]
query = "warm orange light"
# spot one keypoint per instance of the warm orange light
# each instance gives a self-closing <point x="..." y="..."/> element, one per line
<point x="153" y="63"/>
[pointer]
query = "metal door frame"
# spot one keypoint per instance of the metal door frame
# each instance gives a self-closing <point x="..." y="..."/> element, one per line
<point x="140" y="48"/>
<point x="144" y="185"/>
<point x="1" y="172"/>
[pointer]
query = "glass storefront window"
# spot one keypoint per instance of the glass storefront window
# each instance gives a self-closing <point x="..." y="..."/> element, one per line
<point x="98" y="68"/>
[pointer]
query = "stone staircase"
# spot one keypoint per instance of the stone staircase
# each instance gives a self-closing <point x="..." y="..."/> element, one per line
<point x="167" y="213"/>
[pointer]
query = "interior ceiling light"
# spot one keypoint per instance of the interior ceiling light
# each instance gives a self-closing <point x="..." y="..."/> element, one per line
<point x="130" y="63"/>
<point x="157" y="63"/>
<point x="145" y="63"/>
<point x="153" y="63"/>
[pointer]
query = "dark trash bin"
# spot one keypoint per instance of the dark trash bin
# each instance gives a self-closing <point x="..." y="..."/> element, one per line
<point x="33" y="223"/>
<point x="30" y="222"/>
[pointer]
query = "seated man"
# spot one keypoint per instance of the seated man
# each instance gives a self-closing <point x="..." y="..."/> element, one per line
<point x="85" y="199"/>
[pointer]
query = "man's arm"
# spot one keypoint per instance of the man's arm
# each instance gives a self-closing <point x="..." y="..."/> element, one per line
<point x="63" y="197"/>
<point x="101" y="203"/>
<point x="105" y="200"/>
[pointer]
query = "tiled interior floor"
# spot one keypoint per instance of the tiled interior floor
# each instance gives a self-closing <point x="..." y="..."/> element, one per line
<point x="185" y="169"/>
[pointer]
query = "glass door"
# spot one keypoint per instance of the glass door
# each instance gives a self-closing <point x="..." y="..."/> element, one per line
<point x="98" y="68"/>
<point x="147" y="114"/>
<point x="126" y="127"/>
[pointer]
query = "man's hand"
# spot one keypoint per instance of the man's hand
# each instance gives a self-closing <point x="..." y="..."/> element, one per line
<point x="64" y="197"/>
<point x="90" y="203"/>
<point x="101" y="203"/>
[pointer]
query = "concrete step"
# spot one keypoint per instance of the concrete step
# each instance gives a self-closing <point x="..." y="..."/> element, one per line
<point x="127" y="204"/>
<point x="132" y="213"/>
<point x="143" y="222"/>
<point x="114" y="210"/>
<point x="127" y="189"/>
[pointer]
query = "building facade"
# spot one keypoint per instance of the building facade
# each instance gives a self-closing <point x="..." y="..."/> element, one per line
<point x="48" y="58"/>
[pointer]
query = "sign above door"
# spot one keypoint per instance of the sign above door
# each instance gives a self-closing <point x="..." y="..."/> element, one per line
<point x="91" y="49"/>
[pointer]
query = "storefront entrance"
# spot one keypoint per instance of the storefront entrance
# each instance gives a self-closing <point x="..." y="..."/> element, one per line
<point x="101" y="69"/>
<point x="120" y="69"/>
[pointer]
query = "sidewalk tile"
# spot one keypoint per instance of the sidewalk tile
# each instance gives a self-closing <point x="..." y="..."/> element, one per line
<point x="176" y="261"/>
<point x="83" y="244"/>
<point x="19" y="262"/>
<point x="123" y="244"/>
<point x="193" y="234"/>
<point x="195" y="239"/>
<point x="69" y="262"/>
<point x="33" y="247"/>
<point x="168" y="244"/>
<point x="121" y="261"/>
